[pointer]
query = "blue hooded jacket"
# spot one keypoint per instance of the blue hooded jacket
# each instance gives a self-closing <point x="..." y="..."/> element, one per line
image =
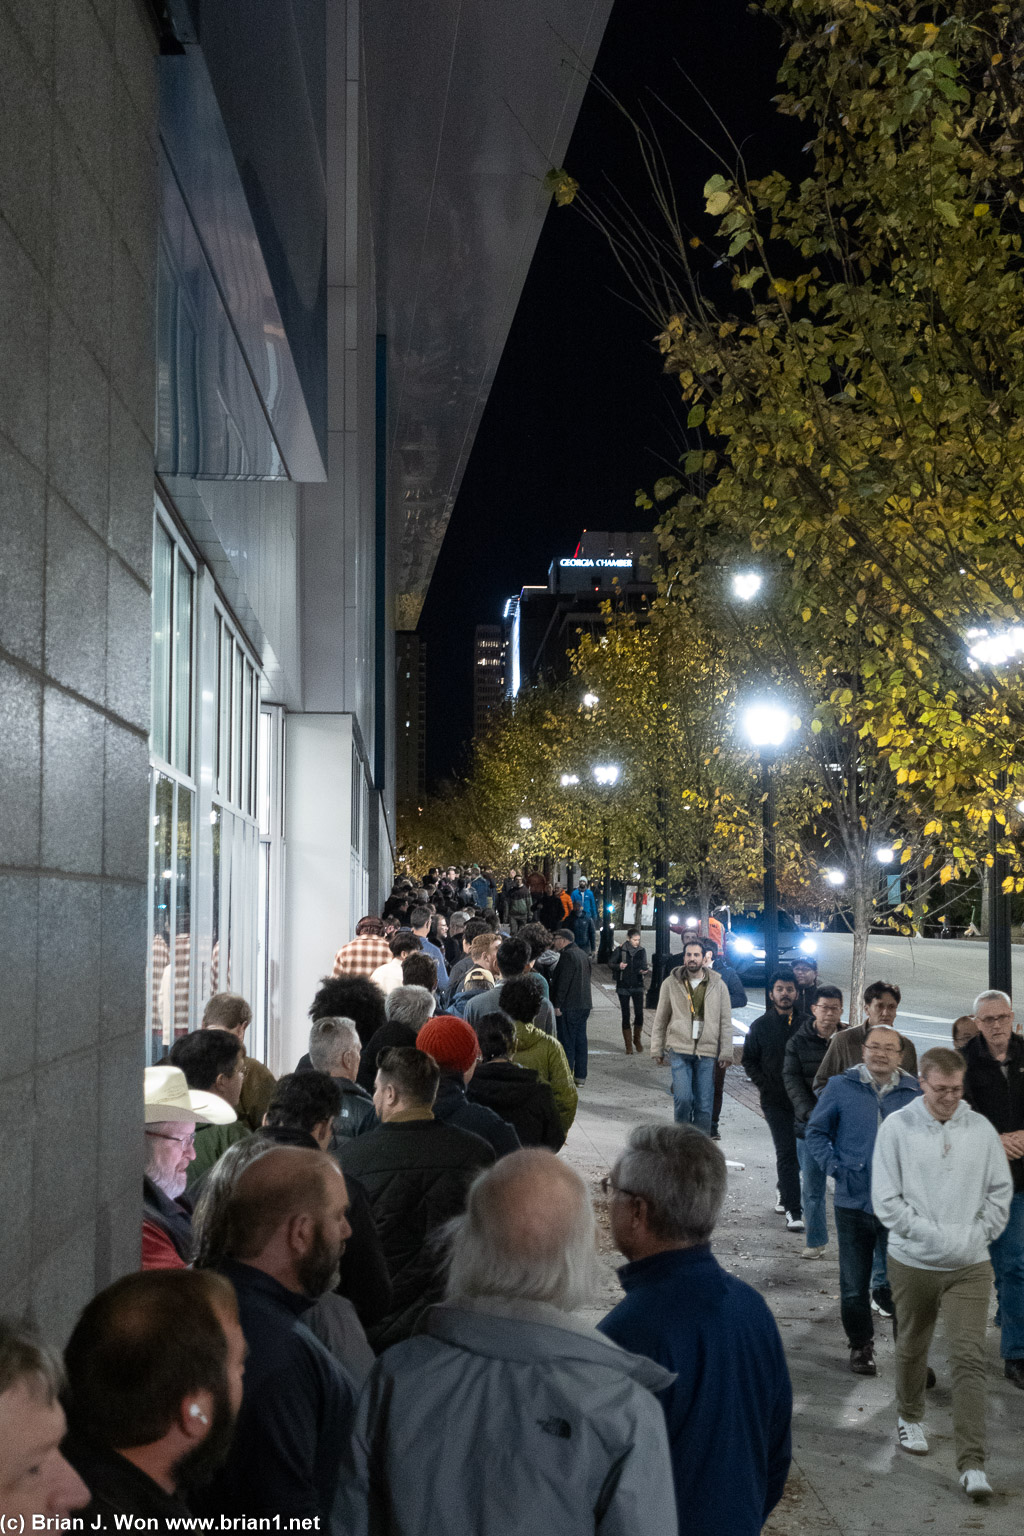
<point x="840" y="1134"/>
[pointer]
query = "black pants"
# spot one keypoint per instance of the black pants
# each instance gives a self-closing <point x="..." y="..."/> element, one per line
<point x="787" y="1168"/>
<point x="638" y="1009"/>
<point x="857" y="1233"/>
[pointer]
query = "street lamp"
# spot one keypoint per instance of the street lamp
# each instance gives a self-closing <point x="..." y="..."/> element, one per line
<point x="885" y="855"/>
<point x="606" y="776"/>
<point x="590" y="701"/>
<point x="996" y="650"/>
<point x="568" y="779"/>
<point x="767" y="725"/>
<point x="525" y="823"/>
<point x="835" y="877"/>
<point x="746" y="585"/>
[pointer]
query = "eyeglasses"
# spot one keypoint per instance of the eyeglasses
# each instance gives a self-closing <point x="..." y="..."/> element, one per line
<point x="608" y="1188"/>
<point x="183" y="1141"/>
<point x="993" y="1018"/>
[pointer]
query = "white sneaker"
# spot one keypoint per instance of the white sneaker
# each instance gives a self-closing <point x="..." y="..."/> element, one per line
<point x="815" y="1253"/>
<point x="911" y="1438"/>
<point x="794" y="1223"/>
<point x="779" y="1208"/>
<point x="975" y="1484"/>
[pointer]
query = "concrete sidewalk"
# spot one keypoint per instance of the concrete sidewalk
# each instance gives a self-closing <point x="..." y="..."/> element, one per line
<point x="848" y="1474"/>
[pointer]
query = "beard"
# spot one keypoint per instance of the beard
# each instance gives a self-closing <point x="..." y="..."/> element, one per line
<point x="319" y="1272"/>
<point x="198" y="1465"/>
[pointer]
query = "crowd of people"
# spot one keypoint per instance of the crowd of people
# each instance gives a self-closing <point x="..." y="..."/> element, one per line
<point x="357" y="1306"/>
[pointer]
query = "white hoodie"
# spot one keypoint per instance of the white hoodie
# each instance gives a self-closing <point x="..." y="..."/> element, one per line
<point x="943" y="1188"/>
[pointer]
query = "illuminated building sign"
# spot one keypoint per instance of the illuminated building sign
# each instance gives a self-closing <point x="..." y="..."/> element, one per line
<point x="589" y="565"/>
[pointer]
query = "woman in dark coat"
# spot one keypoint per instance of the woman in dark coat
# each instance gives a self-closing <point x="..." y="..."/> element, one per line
<point x="515" y="1093"/>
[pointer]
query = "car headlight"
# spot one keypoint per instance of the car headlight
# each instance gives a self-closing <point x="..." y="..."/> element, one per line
<point x="808" y="946"/>
<point x="743" y="946"/>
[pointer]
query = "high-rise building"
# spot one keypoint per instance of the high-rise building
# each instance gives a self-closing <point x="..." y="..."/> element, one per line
<point x="410" y="717"/>
<point x="488" y="674"/>
<point x="546" y="622"/>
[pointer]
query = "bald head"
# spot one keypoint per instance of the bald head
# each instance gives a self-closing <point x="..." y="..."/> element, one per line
<point x="528" y="1234"/>
<point x="278" y="1187"/>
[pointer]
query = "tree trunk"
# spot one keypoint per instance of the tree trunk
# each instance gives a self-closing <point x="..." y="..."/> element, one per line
<point x="861" y="932"/>
<point x="985" y="906"/>
<point x="704" y="898"/>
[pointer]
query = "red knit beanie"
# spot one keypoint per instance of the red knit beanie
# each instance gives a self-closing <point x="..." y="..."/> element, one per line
<point x="450" y="1040"/>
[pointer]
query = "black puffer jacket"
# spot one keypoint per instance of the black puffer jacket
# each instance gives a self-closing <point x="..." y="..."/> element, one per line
<point x="1000" y="1099"/>
<point x="805" y="1052"/>
<point x="763" y="1053"/>
<point x="517" y="1094"/>
<point x="417" y="1173"/>
<point x="453" y="1107"/>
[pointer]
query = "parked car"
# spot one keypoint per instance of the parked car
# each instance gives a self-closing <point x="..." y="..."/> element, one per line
<point x="744" y="944"/>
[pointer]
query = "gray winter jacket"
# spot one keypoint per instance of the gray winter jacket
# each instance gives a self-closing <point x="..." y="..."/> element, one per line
<point x="509" y="1418"/>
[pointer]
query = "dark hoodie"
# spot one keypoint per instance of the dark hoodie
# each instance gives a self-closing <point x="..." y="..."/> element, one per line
<point x="517" y="1094"/>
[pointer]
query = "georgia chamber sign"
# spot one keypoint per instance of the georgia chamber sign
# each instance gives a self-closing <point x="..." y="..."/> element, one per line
<point x="590" y="565"/>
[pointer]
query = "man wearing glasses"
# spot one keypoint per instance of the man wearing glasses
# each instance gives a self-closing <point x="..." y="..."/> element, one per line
<point x="994" y="1086"/>
<point x="941" y="1184"/>
<point x="172" y="1110"/>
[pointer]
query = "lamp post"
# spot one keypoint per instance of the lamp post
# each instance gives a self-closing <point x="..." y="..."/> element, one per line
<point x="767" y="725"/>
<point x="606" y="776"/>
<point x="996" y="651"/>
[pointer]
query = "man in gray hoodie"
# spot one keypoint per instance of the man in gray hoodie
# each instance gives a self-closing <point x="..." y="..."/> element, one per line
<point x="505" y="1414"/>
<point x="941" y="1183"/>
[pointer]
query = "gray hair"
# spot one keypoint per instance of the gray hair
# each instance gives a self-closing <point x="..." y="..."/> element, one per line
<point x="682" y="1176"/>
<point x="528" y="1234"/>
<point x="209" y="1224"/>
<point x="330" y="1040"/>
<point x="24" y="1357"/>
<point x="409" y="1005"/>
<point x="992" y="995"/>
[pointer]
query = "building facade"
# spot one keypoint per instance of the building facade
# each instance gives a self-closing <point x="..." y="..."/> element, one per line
<point x="410" y="718"/>
<point x="239" y="388"/>
<point x="488" y="674"/>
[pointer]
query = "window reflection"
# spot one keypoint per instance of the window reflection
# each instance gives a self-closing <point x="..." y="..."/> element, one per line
<point x="163" y="916"/>
<point x="163" y="559"/>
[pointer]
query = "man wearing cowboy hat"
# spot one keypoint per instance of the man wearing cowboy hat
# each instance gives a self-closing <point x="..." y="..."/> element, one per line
<point x="172" y="1111"/>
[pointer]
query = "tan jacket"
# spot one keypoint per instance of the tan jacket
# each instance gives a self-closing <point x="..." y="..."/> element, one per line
<point x="847" y="1049"/>
<point x="673" y="1023"/>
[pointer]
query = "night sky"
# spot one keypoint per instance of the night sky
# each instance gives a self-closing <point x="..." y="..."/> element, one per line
<point x="580" y="416"/>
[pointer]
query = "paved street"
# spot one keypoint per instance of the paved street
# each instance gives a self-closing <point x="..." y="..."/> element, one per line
<point x="848" y="1476"/>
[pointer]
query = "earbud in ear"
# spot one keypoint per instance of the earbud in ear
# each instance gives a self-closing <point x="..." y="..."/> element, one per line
<point x="195" y="1412"/>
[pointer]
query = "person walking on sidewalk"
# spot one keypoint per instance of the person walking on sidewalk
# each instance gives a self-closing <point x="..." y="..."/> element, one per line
<point x="994" y="1086"/>
<point x="804" y="1054"/>
<point x="738" y="999"/>
<point x="629" y="968"/>
<point x="940" y="1182"/>
<point x="572" y="1001"/>
<point x="729" y="1407"/>
<point x="840" y="1136"/>
<point x="693" y="1030"/>
<point x="764" y="1052"/>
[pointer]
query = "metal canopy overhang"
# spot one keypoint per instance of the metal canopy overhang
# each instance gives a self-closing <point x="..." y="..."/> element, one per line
<point x="470" y="102"/>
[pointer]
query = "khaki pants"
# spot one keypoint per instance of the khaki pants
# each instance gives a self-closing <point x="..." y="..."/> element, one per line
<point x="963" y="1296"/>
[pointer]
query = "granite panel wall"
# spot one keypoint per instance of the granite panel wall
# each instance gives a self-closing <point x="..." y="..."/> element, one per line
<point x="78" y="211"/>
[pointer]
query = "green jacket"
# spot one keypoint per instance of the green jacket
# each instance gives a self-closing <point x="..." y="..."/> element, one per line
<point x="545" y="1056"/>
<point x="212" y="1141"/>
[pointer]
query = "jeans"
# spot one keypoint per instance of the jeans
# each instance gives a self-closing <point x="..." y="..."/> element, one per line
<point x="963" y="1296"/>
<point x="571" y="1025"/>
<point x="721" y="1068"/>
<point x="693" y="1089"/>
<point x="1007" y="1255"/>
<point x="857" y="1233"/>
<point x="638" y="1010"/>
<point x="782" y="1125"/>
<point x="879" y="1273"/>
<point x="812" y="1188"/>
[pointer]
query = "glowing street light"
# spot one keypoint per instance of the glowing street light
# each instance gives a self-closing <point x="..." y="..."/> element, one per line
<point x="568" y="779"/>
<point x="766" y="724"/>
<point x="525" y="823"/>
<point x="746" y="585"/>
<point x="995" y="650"/>
<point x="607" y="773"/>
<point x="590" y="701"/>
<point x="885" y="855"/>
<point x="835" y="877"/>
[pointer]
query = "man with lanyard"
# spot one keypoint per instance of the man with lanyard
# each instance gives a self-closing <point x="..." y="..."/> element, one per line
<point x="693" y="1030"/>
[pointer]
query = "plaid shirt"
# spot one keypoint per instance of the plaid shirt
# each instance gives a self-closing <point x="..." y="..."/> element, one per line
<point x="361" y="957"/>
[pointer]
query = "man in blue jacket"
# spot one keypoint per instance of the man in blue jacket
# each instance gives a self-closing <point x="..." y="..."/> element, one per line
<point x="728" y="1411"/>
<point x="588" y="899"/>
<point x="840" y="1136"/>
